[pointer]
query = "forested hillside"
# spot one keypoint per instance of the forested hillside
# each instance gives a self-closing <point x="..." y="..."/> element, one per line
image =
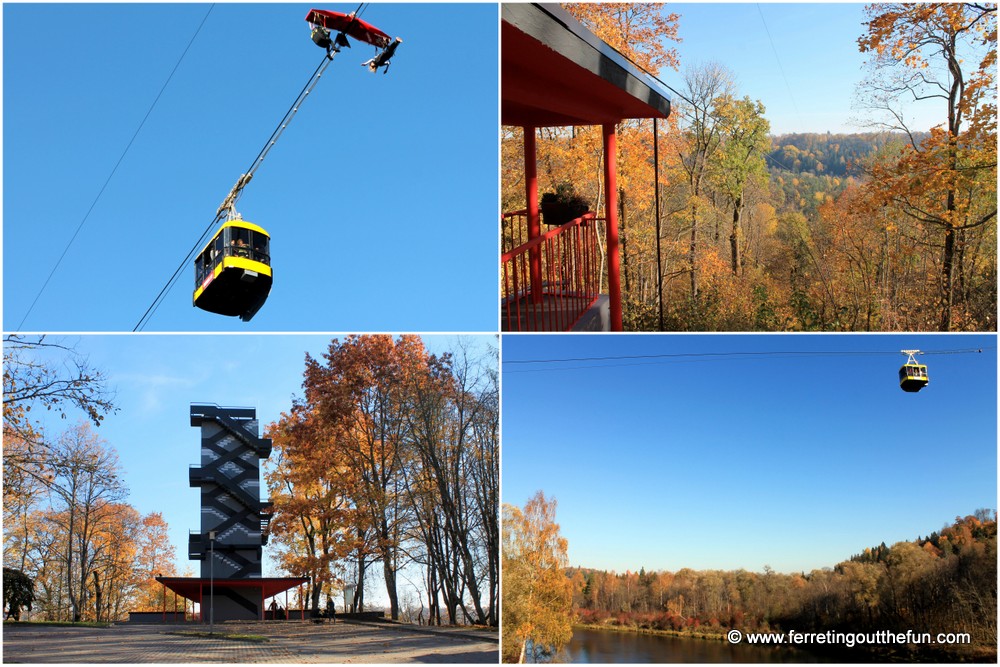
<point x="893" y="230"/>
<point x="837" y="155"/>
<point x="946" y="582"/>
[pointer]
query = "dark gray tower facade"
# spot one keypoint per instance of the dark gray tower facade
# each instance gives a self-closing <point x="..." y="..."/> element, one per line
<point x="233" y="517"/>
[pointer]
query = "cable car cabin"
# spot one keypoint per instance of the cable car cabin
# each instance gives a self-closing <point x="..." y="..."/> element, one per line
<point x="912" y="377"/>
<point x="233" y="272"/>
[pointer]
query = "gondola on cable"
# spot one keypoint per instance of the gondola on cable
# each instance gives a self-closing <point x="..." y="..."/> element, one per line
<point x="912" y="375"/>
<point x="232" y="273"/>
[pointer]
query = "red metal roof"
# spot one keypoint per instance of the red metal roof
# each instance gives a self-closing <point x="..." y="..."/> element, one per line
<point x="556" y="72"/>
<point x="191" y="587"/>
<point x="352" y="25"/>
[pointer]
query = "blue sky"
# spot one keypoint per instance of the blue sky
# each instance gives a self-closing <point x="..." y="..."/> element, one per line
<point x="816" y="45"/>
<point x="796" y="462"/>
<point x="380" y="197"/>
<point x="156" y="379"/>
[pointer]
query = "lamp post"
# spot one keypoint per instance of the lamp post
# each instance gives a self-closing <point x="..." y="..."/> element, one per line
<point x="211" y="582"/>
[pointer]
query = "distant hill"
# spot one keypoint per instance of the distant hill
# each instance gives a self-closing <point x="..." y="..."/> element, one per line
<point x="825" y="154"/>
<point x="811" y="168"/>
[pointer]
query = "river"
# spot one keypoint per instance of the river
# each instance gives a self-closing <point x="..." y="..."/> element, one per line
<point x="608" y="646"/>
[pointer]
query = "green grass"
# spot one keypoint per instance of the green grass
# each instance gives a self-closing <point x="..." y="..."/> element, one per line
<point x="233" y="636"/>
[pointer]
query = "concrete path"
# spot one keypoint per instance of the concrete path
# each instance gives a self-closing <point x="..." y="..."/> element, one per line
<point x="289" y="642"/>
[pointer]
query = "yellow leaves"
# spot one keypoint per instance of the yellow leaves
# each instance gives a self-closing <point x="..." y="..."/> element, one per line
<point x="636" y="29"/>
<point x="537" y="594"/>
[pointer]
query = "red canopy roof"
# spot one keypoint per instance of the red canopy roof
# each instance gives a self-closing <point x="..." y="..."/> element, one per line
<point x="556" y="72"/>
<point x="192" y="587"/>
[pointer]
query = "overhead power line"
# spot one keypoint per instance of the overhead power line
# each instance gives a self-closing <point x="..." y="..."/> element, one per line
<point x="114" y="169"/>
<point x="778" y="60"/>
<point x="708" y="113"/>
<point x="638" y="359"/>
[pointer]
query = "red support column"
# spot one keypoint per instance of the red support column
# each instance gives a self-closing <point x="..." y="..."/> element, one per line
<point x="534" y="218"/>
<point x="611" y="215"/>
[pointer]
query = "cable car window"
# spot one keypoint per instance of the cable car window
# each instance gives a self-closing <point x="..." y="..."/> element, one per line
<point x="203" y="265"/>
<point x="259" y="243"/>
<point x="240" y="241"/>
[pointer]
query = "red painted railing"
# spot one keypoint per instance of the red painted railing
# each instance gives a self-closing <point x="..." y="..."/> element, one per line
<point x="514" y="229"/>
<point x="566" y="281"/>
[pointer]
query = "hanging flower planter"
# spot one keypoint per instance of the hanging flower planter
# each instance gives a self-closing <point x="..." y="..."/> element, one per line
<point x="563" y="205"/>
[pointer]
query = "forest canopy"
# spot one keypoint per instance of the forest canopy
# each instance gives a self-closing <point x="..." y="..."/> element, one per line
<point x="946" y="581"/>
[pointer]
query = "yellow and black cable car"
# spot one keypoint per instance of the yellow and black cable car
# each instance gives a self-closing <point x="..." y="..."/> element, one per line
<point x="912" y="376"/>
<point x="233" y="271"/>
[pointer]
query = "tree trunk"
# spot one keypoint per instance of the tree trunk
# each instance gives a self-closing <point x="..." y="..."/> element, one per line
<point x="97" y="597"/>
<point x="947" y="265"/>
<point x="358" y="602"/>
<point x="73" y="602"/>
<point x="621" y="220"/>
<point x="734" y="237"/>
<point x="390" y="584"/>
<point x="692" y="249"/>
<point x="314" y="594"/>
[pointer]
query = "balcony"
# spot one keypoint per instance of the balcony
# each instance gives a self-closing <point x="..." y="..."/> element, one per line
<point x="552" y="282"/>
<point x="196" y="546"/>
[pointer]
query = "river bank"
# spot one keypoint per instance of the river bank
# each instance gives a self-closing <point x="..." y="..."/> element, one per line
<point x="634" y="629"/>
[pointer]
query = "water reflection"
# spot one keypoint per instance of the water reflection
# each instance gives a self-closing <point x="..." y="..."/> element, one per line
<point x="598" y="646"/>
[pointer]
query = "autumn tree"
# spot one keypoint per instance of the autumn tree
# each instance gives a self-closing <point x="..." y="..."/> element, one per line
<point x="86" y="480"/>
<point x="362" y="389"/>
<point x="392" y="457"/>
<point x="942" y="53"/>
<point x="638" y="30"/>
<point x="704" y="87"/>
<point x="745" y="143"/>
<point x="123" y="553"/>
<point x="483" y="471"/>
<point x="453" y="484"/>
<point x="310" y="484"/>
<point x="42" y="375"/>
<point x="538" y="596"/>
<point x="155" y="556"/>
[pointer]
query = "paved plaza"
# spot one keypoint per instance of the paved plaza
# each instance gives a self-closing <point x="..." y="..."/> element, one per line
<point x="289" y="642"/>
